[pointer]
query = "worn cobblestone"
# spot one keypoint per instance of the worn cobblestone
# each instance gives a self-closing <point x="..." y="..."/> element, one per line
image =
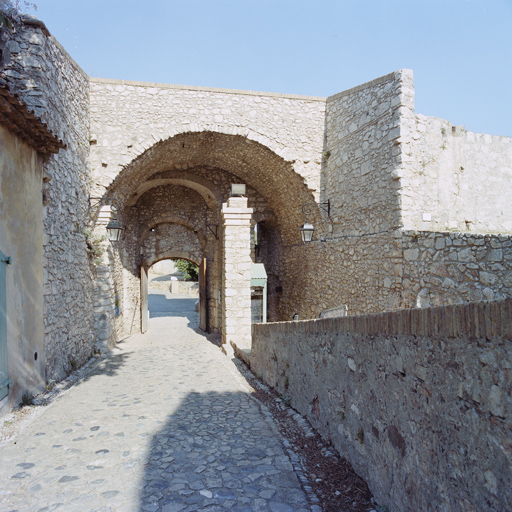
<point x="163" y="424"/>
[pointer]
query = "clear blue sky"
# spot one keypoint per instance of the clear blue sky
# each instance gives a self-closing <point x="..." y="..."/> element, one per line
<point x="460" y="50"/>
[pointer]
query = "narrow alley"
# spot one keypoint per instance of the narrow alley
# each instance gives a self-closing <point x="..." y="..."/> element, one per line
<point x="163" y="424"/>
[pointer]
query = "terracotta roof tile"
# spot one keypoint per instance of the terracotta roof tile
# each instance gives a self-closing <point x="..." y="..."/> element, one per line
<point x="18" y="119"/>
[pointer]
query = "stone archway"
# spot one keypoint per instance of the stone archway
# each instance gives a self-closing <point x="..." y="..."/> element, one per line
<point x="146" y="264"/>
<point x="183" y="182"/>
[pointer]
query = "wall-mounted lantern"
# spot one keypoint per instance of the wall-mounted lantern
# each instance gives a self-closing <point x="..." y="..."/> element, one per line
<point x="237" y="189"/>
<point x="214" y="232"/>
<point x="307" y="230"/>
<point x="114" y="229"/>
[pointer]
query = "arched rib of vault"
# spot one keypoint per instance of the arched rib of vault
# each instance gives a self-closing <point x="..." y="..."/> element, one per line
<point x="247" y="133"/>
<point x="173" y="255"/>
<point x="170" y="219"/>
<point x="256" y="165"/>
<point x="208" y="191"/>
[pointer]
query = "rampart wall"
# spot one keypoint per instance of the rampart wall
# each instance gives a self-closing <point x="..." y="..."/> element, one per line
<point x="357" y="260"/>
<point x="455" y="180"/>
<point x="452" y="268"/>
<point x="419" y="400"/>
<point x="362" y="154"/>
<point x="54" y="86"/>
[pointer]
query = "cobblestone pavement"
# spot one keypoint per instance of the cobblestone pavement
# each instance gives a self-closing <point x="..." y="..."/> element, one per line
<point x="164" y="424"/>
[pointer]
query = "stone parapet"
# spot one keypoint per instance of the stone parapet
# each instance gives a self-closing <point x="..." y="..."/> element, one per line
<point x="419" y="400"/>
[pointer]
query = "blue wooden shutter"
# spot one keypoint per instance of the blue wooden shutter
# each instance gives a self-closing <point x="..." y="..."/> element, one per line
<point x="4" y="380"/>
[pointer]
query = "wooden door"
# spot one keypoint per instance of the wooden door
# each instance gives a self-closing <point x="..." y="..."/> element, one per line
<point x="144" y="313"/>
<point x="203" y="299"/>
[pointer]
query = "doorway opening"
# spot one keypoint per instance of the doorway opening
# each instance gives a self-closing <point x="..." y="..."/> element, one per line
<point x="174" y="287"/>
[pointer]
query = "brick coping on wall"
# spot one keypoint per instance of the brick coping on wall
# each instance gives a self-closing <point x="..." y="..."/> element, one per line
<point x="486" y="319"/>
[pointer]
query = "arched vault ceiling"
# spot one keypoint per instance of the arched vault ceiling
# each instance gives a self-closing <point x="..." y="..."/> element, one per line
<point x="255" y="164"/>
<point x="205" y="188"/>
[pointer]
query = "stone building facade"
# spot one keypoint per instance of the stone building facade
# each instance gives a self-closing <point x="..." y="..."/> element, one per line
<point x="411" y="222"/>
<point x="25" y="144"/>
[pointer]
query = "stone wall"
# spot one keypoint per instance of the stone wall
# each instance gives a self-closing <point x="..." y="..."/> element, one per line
<point x="355" y="261"/>
<point x="452" y="268"/>
<point x="362" y="154"/>
<point x="362" y="273"/>
<point x="419" y="400"/>
<point x="455" y="180"/>
<point x="21" y="239"/>
<point x="236" y="272"/>
<point x="127" y="118"/>
<point x="54" y="86"/>
<point x="184" y="288"/>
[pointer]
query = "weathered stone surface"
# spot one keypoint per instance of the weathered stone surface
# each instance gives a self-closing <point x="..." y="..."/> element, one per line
<point x="236" y="275"/>
<point x="410" y="397"/>
<point x="453" y="276"/>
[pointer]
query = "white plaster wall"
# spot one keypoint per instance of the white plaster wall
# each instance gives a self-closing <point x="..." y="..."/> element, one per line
<point x="21" y="238"/>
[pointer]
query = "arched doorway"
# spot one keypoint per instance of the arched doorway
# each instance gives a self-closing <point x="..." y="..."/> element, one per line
<point x="178" y="280"/>
<point x="173" y="197"/>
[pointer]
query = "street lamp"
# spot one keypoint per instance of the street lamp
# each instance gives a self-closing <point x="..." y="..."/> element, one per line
<point x="307" y="230"/>
<point x="114" y="229"/>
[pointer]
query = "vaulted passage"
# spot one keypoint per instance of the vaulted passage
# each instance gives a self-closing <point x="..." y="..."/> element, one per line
<point x="172" y="200"/>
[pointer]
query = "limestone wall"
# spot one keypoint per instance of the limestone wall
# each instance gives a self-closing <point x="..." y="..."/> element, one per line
<point x="356" y="261"/>
<point x="127" y="118"/>
<point x="454" y="179"/>
<point x="236" y="272"/>
<point x="361" y="273"/>
<point x="419" y="400"/>
<point x="55" y="87"/>
<point x="184" y="288"/>
<point x="452" y="268"/>
<point x="21" y="239"/>
<point x="362" y="154"/>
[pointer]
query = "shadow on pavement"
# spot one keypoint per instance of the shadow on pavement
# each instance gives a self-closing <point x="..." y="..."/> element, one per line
<point x="107" y="366"/>
<point x="216" y="452"/>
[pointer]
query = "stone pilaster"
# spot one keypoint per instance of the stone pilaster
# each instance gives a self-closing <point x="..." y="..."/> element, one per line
<point x="236" y="275"/>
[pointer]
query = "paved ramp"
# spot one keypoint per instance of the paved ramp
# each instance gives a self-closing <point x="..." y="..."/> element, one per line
<point x="164" y="424"/>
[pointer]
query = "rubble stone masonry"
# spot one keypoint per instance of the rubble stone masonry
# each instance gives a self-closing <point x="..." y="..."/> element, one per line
<point x="419" y="400"/>
<point x="57" y="90"/>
